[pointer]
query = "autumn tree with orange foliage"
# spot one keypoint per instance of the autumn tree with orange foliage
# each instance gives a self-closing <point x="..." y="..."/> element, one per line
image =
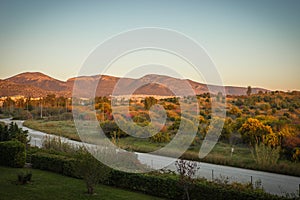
<point x="255" y="132"/>
<point x="264" y="142"/>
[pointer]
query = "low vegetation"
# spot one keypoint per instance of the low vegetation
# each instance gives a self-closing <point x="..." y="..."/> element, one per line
<point x="243" y="156"/>
<point x="12" y="154"/>
<point x="76" y="162"/>
<point x="48" y="185"/>
<point x="160" y="183"/>
<point x="256" y="125"/>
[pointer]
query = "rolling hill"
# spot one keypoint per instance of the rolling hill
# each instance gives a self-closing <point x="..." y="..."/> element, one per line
<point x="36" y="84"/>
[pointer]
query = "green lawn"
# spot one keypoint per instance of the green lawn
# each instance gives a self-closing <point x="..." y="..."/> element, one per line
<point x="47" y="185"/>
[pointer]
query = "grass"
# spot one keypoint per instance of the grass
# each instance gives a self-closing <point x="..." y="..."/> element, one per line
<point x="67" y="129"/>
<point x="221" y="153"/>
<point x="3" y="116"/>
<point x="62" y="128"/>
<point x="47" y="185"/>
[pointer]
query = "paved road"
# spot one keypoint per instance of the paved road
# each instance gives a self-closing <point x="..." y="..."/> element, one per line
<point x="271" y="182"/>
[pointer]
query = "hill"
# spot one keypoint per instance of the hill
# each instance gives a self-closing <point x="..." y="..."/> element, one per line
<point x="36" y="84"/>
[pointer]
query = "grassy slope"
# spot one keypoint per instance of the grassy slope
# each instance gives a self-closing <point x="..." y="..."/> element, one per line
<point x="47" y="185"/>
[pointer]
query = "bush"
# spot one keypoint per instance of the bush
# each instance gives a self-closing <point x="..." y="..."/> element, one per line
<point x="168" y="187"/>
<point x="55" y="163"/>
<point x="91" y="170"/>
<point x="146" y="183"/>
<point x="22" y="115"/>
<point x="162" y="185"/>
<point x="12" y="154"/>
<point x="24" y="177"/>
<point x="13" y="132"/>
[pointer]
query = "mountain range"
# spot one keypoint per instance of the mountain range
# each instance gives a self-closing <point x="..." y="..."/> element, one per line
<point x="36" y="84"/>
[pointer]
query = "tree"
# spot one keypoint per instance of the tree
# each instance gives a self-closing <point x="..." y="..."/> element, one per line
<point x="160" y="137"/>
<point x="149" y="101"/>
<point x="8" y="105"/>
<point x="91" y="170"/>
<point x="285" y="132"/>
<point x="235" y="111"/>
<point x="227" y="129"/>
<point x="249" y="90"/>
<point x="264" y="142"/>
<point x="187" y="171"/>
<point x="296" y="154"/>
<point x="254" y="132"/>
<point x="109" y="127"/>
<point x="50" y="100"/>
<point x="4" y="134"/>
<point x="13" y="132"/>
<point x="219" y="96"/>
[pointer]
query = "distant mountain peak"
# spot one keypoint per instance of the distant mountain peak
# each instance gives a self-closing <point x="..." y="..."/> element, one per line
<point x="37" y="84"/>
<point x="32" y="75"/>
<point x="39" y="80"/>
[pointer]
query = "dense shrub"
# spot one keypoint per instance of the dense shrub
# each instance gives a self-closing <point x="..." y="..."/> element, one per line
<point x="156" y="185"/>
<point x="24" y="177"/>
<point x="167" y="186"/>
<point x="12" y="153"/>
<point x="55" y="163"/>
<point x="12" y="131"/>
<point x="21" y="114"/>
<point x="163" y="185"/>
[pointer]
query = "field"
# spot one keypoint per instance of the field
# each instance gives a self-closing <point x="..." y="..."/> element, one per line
<point x="263" y="128"/>
<point x="47" y="185"/>
<point x="61" y="128"/>
<point x="221" y="153"/>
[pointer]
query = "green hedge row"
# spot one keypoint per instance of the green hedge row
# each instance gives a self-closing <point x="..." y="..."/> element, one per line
<point x="156" y="185"/>
<point x="12" y="153"/>
<point x="55" y="163"/>
<point x="168" y="187"/>
<point x="162" y="186"/>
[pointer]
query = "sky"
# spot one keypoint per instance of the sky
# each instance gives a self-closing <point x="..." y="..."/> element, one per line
<point x="254" y="43"/>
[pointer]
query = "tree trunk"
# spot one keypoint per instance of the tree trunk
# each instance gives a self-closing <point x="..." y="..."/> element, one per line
<point x="90" y="190"/>
<point x="187" y="193"/>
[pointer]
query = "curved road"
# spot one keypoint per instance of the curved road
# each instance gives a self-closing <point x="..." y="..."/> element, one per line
<point x="271" y="182"/>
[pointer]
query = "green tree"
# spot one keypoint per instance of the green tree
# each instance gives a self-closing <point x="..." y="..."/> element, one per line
<point x="91" y="170"/>
<point x="13" y="132"/>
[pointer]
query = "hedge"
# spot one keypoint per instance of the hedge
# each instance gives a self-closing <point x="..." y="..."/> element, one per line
<point x="157" y="185"/>
<point x="55" y="163"/>
<point x="12" y="153"/>
<point x="168" y="187"/>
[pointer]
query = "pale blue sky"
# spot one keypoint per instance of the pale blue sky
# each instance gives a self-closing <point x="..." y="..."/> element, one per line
<point x="253" y="43"/>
